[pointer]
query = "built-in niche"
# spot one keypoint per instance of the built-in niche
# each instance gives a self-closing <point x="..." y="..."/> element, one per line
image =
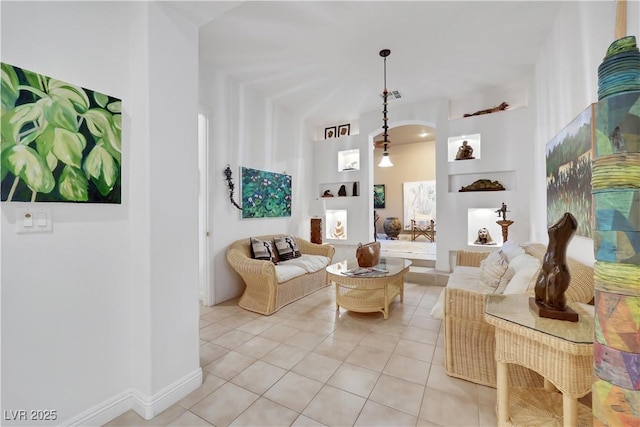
<point x="349" y="160"/>
<point x="340" y="189"/>
<point x="463" y="148"/>
<point x="480" y="220"/>
<point x="336" y="224"/>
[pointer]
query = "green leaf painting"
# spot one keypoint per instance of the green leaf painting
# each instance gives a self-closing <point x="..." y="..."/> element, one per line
<point x="265" y="194"/>
<point x="59" y="142"/>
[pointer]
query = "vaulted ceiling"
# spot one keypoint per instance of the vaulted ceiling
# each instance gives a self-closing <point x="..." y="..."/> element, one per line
<point x="320" y="58"/>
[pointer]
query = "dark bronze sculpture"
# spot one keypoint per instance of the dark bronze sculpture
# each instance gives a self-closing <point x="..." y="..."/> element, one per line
<point x="502" y="212"/>
<point x="501" y="107"/>
<point x="555" y="277"/>
<point x="465" y="151"/>
<point x="483" y="185"/>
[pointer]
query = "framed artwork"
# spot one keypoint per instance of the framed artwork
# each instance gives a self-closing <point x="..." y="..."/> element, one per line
<point x="265" y="194"/>
<point x="420" y="200"/>
<point x="568" y="162"/>
<point x="344" y="130"/>
<point x="60" y="142"/>
<point x="378" y="196"/>
<point x="330" y="132"/>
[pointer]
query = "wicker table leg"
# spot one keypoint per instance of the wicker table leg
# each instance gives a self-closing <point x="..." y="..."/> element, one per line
<point x="502" y="379"/>
<point x="569" y="410"/>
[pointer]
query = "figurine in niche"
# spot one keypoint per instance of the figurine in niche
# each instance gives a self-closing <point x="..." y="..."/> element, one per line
<point x="342" y="191"/>
<point x="484" y="238"/>
<point x="327" y="193"/>
<point x="503" y="106"/>
<point x="502" y="212"/>
<point x="465" y="151"/>
<point x="355" y="189"/>
<point x="483" y="185"/>
<point x="338" y="232"/>
<point x="554" y="277"/>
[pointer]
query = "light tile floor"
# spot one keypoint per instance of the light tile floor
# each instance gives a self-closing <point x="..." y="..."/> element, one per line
<point x="309" y="365"/>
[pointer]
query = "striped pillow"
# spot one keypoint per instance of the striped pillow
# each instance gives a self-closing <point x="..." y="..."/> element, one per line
<point x="287" y="248"/>
<point x="262" y="249"/>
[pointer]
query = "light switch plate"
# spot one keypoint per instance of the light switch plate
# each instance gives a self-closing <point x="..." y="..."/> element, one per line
<point x="34" y="220"/>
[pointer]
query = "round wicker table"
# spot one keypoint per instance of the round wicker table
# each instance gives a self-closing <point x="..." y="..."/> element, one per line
<point x="369" y="292"/>
<point x="560" y="351"/>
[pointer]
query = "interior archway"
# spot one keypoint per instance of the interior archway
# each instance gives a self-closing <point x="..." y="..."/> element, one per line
<point x="412" y="151"/>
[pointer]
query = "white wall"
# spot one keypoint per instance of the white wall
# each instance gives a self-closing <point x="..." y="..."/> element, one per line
<point x="246" y="130"/>
<point x="565" y="84"/>
<point x="101" y="315"/>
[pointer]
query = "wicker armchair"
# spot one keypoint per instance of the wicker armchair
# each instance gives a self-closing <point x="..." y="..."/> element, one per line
<point x="263" y="294"/>
<point x="470" y="341"/>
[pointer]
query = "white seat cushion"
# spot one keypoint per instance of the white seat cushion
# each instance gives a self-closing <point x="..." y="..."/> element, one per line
<point x="285" y="272"/>
<point x="309" y="263"/>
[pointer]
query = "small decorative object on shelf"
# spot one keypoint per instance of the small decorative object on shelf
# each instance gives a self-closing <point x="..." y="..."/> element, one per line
<point x="501" y="107"/>
<point x="483" y="185"/>
<point x="465" y="151"/>
<point x="368" y="254"/>
<point x="355" y="189"/>
<point x="342" y="192"/>
<point x="555" y="277"/>
<point x="327" y="193"/>
<point x="504" y="222"/>
<point x="229" y="178"/>
<point x="484" y="237"/>
<point x="338" y="231"/>
<point x="502" y="212"/>
<point x="392" y="227"/>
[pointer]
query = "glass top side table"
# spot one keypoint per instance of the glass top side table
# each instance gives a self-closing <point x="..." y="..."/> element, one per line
<point x="560" y="351"/>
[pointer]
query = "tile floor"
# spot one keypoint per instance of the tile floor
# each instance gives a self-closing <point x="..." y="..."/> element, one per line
<point x="308" y="365"/>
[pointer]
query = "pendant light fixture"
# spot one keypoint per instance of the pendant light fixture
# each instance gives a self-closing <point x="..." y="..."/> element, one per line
<point x="386" y="161"/>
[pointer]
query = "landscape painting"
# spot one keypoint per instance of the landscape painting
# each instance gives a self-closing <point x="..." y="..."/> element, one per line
<point x="265" y="194"/>
<point x="568" y="161"/>
<point x="60" y="142"/>
<point x="419" y="199"/>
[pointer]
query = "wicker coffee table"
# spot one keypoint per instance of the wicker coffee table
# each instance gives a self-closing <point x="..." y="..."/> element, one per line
<point x="372" y="292"/>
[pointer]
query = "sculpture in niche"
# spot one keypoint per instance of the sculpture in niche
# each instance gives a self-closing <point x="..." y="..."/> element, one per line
<point x="342" y="191"/>
<point x="465" y="151"/>
<point x="327" y="193"/>
<point x="484" y="237"/>
<point x="502" y="212"/>
<point x="554" y="278"/>
<point x="501" y="107"/>
<point x="483" y="185"/>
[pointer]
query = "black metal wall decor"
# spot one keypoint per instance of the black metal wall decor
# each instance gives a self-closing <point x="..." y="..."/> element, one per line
<point x="229" y="178"/>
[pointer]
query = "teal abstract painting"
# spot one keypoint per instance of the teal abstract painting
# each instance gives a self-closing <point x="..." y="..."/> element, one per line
<point x="265" y="194"/>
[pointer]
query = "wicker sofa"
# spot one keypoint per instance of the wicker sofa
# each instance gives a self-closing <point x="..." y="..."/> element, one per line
<point x="267" y="288"/>
<point x="470" y="341"/>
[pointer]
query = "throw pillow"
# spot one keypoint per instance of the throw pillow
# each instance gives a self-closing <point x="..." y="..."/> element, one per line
<point x="262" y="249"/>
<point x="287" y="248"/>
<point x="493" y="270"/>
<point x="511" y="249"/>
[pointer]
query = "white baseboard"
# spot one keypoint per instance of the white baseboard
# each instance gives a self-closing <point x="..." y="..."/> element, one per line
<point x="146" y="406"/>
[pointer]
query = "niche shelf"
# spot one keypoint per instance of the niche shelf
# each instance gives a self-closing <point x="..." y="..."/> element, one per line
<point x="506" y="178"/>
<point x="454" y="142"/>
<point x="478" y="218"/>
<point x="334" y="188"/>
<point x="349" y="160"/>
<point x="336" y="228"/>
